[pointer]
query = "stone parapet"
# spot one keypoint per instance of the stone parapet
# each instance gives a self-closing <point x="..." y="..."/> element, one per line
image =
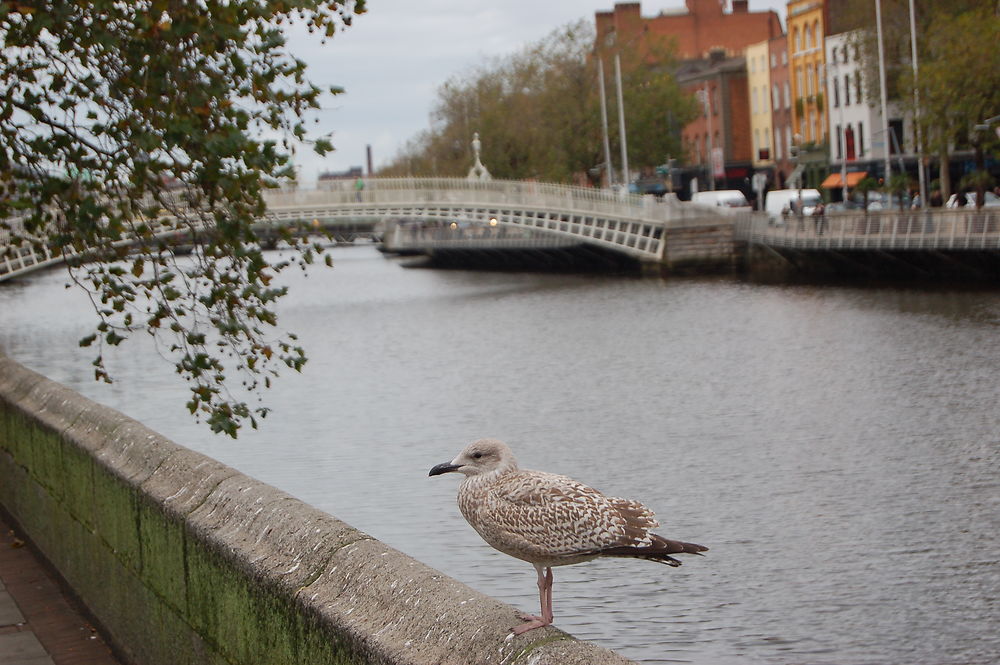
<point x="182" y="559"/>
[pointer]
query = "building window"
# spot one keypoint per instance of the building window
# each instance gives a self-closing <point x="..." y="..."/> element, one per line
<point x="753" y="101"/>
<point x="857" y="86"/>
<point x="788" y="96"/>
<point x="836" y="93"/>
<point x="775" y="97"/>
<point x="796" y="40"/>
<point x="784" y="57"/>
<point x="840" y="146"/>
<point x="756" y="143"/>
<point x="774" y="61"/>
<point x="895" y="137"/>
<point x="861" y="139"/>
<point x="847" y="89"/>
<point x="767" y="140"/>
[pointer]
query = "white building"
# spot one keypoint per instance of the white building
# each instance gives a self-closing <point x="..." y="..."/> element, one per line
<point x="857" y="138"/>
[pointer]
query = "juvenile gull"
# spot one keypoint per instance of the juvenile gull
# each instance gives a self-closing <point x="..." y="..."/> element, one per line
<point x="550" y="520"/>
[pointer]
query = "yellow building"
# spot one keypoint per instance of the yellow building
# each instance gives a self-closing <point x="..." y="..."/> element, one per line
<point x="806" y="30"/>
<point x="761" y="125"/>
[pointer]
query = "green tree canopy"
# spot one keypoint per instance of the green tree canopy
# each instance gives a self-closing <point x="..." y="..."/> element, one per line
<point x="119" y="120"/>
<point x="959" y="69"/>
<point x="537" y="113"/>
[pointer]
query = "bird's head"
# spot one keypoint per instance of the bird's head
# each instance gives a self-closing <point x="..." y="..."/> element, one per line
<point x="479" y="457"/>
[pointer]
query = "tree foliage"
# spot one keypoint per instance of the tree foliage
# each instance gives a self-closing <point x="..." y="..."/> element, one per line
<point x="537" y="113"/>
<point x="959" y="69"/>
<point x="122" y="120"/>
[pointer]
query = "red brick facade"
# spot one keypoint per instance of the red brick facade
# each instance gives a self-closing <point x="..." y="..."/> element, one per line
<point x="725" y="80"/>
<point x="705" y="26"/>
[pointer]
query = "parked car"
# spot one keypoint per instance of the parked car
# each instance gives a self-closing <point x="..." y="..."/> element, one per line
<point x="882" y="201"/>
<point x="723" y="198"/>
<point x="781" y="202"/>
<point x="991" y="201"/>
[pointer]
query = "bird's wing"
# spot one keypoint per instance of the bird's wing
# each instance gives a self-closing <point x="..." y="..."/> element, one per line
<point x="564" y="517"/>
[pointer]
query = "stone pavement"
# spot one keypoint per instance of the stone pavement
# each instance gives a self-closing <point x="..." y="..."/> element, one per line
<point x="39" y="623"/>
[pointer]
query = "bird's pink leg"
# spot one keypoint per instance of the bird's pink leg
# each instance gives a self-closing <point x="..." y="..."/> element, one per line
<point x="547" y="609"/>
<point x="545" y="598"/>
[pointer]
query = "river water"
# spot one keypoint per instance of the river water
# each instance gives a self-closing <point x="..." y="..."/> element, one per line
<point x="838" y="449"/>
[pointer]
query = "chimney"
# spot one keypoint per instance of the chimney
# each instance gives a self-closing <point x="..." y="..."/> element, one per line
<point x="368" y="149"/>
<point x="716" y="55"/>
<point x="741" y="6"/>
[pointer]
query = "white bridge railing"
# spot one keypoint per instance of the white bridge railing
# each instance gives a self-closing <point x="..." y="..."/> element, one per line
<point x="934" y="229"/>
<point x="629" y="223"/>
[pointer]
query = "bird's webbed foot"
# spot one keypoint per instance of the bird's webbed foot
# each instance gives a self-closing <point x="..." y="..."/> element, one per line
<point x="530" y="623"/>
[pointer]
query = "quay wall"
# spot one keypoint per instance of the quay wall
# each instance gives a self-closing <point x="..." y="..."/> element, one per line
<point x="704" y="247"/>
<point x="183" y="560"/>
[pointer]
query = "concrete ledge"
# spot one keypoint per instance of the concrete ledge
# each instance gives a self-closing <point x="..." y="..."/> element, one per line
<point x="185" y="560"/>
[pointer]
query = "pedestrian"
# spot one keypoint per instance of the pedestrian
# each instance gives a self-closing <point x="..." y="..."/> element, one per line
<point x="819" y="218"/>
<point x="359" y="185"/>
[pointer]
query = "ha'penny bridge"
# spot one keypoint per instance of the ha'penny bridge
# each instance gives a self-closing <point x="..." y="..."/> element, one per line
<point x="479" y="220"/>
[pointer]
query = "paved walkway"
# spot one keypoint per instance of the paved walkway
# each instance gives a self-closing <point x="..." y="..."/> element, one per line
<point x="39" y="624"/>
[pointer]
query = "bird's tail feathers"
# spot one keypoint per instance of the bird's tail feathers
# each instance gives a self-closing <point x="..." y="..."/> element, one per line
<point x="659" y="551"/>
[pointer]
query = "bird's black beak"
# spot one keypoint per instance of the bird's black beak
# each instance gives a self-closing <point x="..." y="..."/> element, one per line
<point x="444" y="468"/>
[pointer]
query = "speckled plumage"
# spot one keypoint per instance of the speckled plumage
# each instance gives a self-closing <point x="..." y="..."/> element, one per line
<point x="551" y="520"/>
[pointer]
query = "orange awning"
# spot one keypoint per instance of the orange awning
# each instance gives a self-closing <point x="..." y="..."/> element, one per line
<point x="833" y="180"/>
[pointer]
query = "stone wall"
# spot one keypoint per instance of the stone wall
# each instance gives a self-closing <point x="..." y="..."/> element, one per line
<point x="703" y="247"/>
<point x="182" y="559"/>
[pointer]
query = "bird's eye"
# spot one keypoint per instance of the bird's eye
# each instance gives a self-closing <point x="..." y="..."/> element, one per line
<point x="477" y="455"/>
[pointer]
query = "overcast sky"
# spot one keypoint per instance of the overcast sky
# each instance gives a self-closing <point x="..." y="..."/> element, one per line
<point x="393" y="59"/>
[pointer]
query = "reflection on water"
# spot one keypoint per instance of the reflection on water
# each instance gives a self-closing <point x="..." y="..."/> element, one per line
<point x="836" y="448"/>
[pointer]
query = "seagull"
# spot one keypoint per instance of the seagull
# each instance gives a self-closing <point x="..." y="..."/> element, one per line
<point x="550" y="520"/>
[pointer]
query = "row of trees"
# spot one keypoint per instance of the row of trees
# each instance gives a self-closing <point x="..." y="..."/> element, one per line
<point x="958" y="84"/>
<point x="538" y="113"/>
<point x="114" y="115"/>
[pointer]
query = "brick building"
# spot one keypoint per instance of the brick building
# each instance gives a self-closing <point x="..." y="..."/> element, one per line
<point x="719" y="142"/>
<point x="708" y="41"/>
<point x="704" y="26"/>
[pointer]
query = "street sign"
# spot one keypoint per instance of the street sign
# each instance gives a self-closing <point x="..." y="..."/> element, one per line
<point x="718" y="163"/>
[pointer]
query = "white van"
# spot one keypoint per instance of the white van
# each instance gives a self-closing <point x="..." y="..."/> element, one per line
<point x="778" y="202"/>
<point x="724" y="198"/>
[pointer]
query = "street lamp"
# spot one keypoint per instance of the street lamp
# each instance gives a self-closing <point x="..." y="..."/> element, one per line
<point x="883" y="91"/>
<point x="609" y="171"/>
<point x="917" y="133"/>
<point x="621" y="121"/>
<point x="984" y="126"/>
